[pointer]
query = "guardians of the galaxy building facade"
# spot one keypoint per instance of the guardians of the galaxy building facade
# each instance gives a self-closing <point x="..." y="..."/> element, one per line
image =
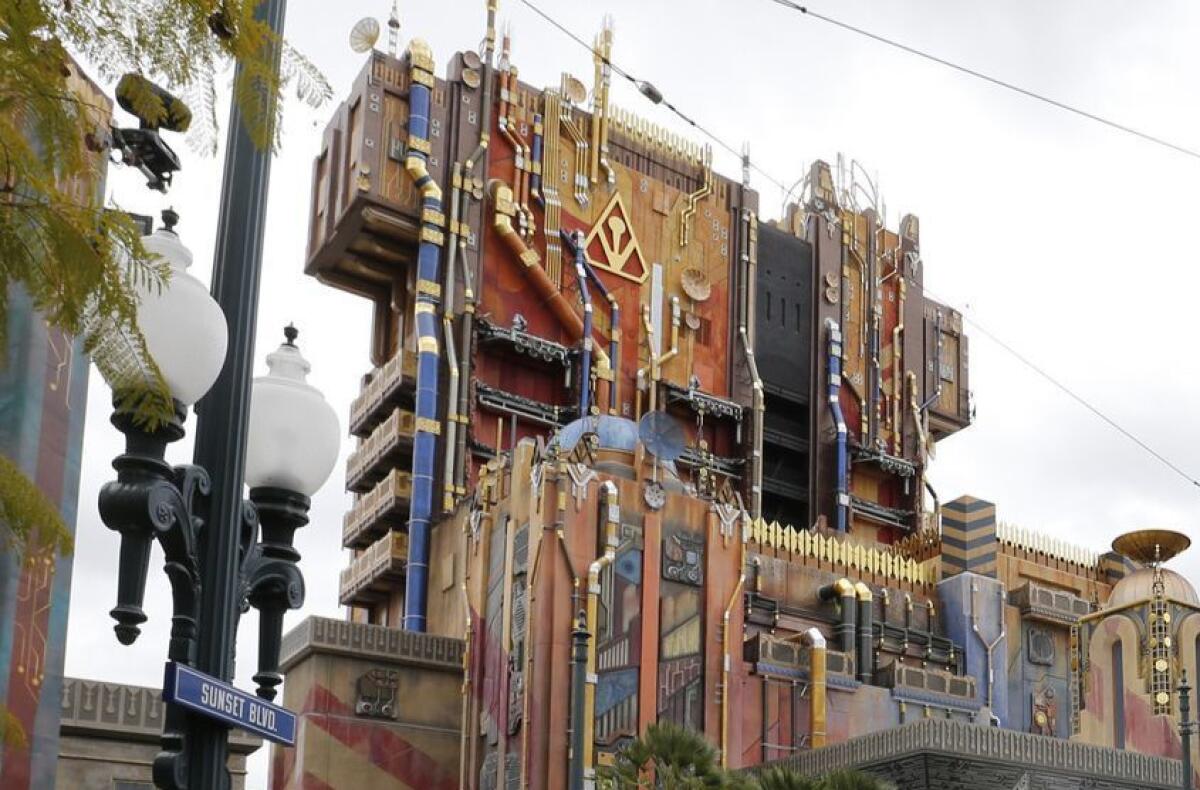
<point x="614" y="410"/>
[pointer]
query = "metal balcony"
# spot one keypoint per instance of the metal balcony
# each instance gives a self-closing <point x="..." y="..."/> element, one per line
<point x="376" y="572"/>
<point x="388" y="446"/>
<point x="383" y="508"/>
<point x="389" y="386"/>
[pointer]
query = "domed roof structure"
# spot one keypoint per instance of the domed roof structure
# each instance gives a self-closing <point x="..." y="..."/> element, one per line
<point x="1139" y="586"/>
<point x="613" y="433"/>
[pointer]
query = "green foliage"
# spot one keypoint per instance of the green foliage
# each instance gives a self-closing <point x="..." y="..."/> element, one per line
<point x="11" y="731"/>
<point x="80" y="263"/>
<point x="668" y="757"/>
<point x="83" y="264"/>
<point x="32" y="523"/>
<point x="780" y="778"/>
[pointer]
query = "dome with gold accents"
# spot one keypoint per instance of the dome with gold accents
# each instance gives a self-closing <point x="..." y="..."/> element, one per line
<point x="1139" y="586"/>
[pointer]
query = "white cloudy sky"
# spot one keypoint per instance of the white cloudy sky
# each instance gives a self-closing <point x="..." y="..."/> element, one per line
<point x="1069" y="240"/>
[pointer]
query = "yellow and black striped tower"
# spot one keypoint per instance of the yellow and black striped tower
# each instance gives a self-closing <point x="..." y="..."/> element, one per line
<point x="968" y="537"/>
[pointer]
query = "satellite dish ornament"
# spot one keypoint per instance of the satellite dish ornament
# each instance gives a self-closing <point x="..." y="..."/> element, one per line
<point x="364" y="34"/>
<point x="662" y="435"/>
<point x="1151" y="546"/>
<point x="696" y="284"/>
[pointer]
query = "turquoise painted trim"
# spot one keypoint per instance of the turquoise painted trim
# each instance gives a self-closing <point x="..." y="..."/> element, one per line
<point x="20" y="428"/>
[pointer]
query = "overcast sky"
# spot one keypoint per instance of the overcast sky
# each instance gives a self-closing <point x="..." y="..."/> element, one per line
<point x="1072" y="242"/>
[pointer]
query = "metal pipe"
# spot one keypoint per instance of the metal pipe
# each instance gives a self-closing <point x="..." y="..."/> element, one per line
<point x="937" y="365"/>
<point x="531" y="597"/>
<point x="534" y="273"/>
<point x="611" y="512"/>
<point x="676" y="320"/>
<point x="450" y="446"/>
<point x="842" y="589"/>
<point x="866" y="616"/>
<point x="759" y="405"/>
<point x="581" y="649"/>
<point x="937" y="506"/>
<point x="535" y="163"/>
<point x="466" y="690"/>
<point x="988" y="646"/>
<point x="479" y="154"/>
<point x="1187" y="728"/>
<point x="574" y="240"/>
<point x="428" y="362"/>
<point x="841" y="490"/>
<point x="916" y="413"/>
<point x="648" y="328"/>
<point x="538" y="778"/>
<point x="224" y="415"/>
<point x="875" y="391"/>
<point x="727" y="658"/>
<point x="656" y="362"/>
<point x="614" y="333"/>
<point x="694" y="198"/>
<point x="815" y="640"/>
<point x="897" y="367"/>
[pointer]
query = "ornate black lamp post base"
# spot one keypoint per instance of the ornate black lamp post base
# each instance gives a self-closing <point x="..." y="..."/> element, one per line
<point x="151" y="500"/>
<point x="273" y="583"/>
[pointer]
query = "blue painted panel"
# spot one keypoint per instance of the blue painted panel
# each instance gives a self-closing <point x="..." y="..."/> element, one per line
<point x="973" y="611"/>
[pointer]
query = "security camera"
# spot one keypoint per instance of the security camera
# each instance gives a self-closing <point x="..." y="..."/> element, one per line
<point x="143" y="148"/>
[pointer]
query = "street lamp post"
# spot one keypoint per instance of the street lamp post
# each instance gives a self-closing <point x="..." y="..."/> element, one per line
<point x="291" y="445"/>
<point x="282" y="442"/>
<point x="1187" y="728"/>
<point x="222" y="422"/>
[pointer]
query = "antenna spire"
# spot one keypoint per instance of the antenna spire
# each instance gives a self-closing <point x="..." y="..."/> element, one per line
<point x="394" y="30"/>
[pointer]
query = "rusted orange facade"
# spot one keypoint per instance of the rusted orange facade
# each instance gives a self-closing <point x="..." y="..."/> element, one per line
<point x="607" y="396"/>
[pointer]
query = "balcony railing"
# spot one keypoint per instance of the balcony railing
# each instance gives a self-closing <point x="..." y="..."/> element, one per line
<point x="383" y="508"/>
<point x="390" y="384"/>
<point x="380" y="451"/>
<point x="376" y="572"/>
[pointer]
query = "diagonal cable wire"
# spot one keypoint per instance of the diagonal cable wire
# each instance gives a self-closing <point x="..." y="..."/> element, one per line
<point x="1082" y="401"/>
<point x="646" y="88"/>
<point x="1145" y="446"/>
<point x="993" y="80"/>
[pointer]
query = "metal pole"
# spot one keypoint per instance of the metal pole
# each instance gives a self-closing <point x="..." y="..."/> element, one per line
<point x="224" y="413"/>
<point x="579" y="658"/>
<point x="1185" y="728"/>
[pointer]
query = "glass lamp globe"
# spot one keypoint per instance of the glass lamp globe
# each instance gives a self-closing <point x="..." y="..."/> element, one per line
<point x="183" y="325"/>
<point x="294" y="433"/>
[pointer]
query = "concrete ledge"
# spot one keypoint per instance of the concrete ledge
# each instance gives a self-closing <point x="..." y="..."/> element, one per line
<point x="117" y="712"/>
<point x="359" y="640"/>
<point x="948" y="755"/>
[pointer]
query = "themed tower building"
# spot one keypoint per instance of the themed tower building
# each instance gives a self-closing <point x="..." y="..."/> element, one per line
<point x="628" y="454"/>
<point x="43" y="397"/>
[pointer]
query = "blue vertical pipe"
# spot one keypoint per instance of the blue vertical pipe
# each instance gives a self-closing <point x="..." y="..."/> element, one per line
<point x="574" y="241"/>
<point x="428" y="357"/>
<point x="535" y="162"/>
<point x="614" y="343"/>
<point x="835" y="408"/>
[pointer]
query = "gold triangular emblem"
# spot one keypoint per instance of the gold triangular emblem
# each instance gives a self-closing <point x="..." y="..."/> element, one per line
<point x="612" y="244"/>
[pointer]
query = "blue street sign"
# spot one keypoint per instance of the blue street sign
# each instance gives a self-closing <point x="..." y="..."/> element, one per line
<point x="218" y="700"/>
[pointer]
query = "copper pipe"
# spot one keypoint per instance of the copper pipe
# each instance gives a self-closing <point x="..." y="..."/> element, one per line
<point x="551" y="296"/>
<point x="728" y="659"/>
<point x="612" y="518"/>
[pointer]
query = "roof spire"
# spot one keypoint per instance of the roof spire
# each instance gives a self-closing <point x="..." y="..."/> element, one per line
<point x="394" y="30"/>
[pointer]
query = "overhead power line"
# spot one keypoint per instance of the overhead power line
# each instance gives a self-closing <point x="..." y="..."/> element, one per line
<point x="1182" y="149"/>
<point x="647" y="89"/>
<point x="1082" y="401"/>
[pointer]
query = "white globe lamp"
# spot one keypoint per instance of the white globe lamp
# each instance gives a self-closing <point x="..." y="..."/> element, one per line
<point x="182" y="324"/>
<point x="294" y="434"/>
